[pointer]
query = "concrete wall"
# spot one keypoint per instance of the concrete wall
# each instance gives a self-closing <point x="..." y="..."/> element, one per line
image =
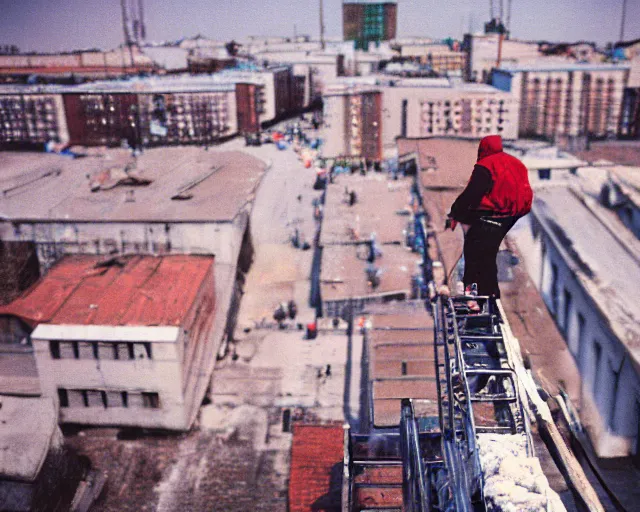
<point x="160" y="374"/>
<point x="334" y="126"/>
<point x="197" y="346"/>
<point x="54" y="239"/>
<point x="610" y="383"/>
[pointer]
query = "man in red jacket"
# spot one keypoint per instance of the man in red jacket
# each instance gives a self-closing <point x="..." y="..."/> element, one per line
<point x="497" y="195"/>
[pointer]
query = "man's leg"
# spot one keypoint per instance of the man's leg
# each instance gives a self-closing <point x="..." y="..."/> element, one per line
<point x="482" y="244"/>
<point x="473" y="254"/>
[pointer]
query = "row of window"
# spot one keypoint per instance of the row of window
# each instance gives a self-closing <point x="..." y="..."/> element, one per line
<point x="76" y="398"/>
<point x="124" y="351"/>
<point x="579" y="347"/>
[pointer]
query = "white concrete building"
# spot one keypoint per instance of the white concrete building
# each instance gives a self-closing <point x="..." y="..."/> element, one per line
<point x="585" y="264"/>
<point x="127" y="342"/>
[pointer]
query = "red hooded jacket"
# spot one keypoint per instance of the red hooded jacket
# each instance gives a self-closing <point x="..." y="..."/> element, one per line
<point x="511" y="192"/>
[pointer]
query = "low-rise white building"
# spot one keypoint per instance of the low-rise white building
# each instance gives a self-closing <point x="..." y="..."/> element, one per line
<point x="126" y="341"/>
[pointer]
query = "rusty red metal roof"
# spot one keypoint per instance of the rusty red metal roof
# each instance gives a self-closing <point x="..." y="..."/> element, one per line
<point x="129" y="290"/>
<point x="316" y="467"/>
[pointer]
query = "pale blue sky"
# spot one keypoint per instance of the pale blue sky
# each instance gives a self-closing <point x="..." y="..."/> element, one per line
<point x="51" y="25"/>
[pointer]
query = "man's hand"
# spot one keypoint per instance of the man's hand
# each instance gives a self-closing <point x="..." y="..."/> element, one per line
<point x="451" y="224"/>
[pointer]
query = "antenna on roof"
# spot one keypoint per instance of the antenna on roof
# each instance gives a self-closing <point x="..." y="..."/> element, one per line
<point x="624" y="12"/>
<point x="322" y="24"/>
<point x="143" y="28"/>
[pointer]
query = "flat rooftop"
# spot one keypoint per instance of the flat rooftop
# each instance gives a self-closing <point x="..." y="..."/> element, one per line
<point x="546" y="65"/>
<point x="382" y="207"/>
<point x="604" y="266"/>
<point x="401" y="362"/>
<point x="207" y="186"/>
<point x="128" y="290"/>
<point x="27" y="429"/>
<point x="343" y="273"/>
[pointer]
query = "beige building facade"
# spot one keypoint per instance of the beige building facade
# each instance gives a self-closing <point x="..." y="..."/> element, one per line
<point x="574" y="100"/>
<point x="422" y="107"/>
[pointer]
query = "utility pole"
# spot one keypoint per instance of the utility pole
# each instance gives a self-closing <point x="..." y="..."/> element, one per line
<point x="624" y="12"/>
<point x="322" y="24"/>
<point x="143" y="29"/>
<point x="509" y="17"/>
<point x="125" y="27"/>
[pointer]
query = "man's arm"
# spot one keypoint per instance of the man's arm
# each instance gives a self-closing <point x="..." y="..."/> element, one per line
<point x="479" y="185"/>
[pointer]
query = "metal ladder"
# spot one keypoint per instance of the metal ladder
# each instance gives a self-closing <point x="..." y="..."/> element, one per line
<point x="461" y="487"/>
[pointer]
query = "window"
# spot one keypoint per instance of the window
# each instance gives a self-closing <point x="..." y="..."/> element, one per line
<point x="580" y="337"/>
<point x="567" y="311"/>
<point x="554" y="289"/>
<point x="614" y="396"/>
<point x="404" y="368"/>
<point x="597" y="356"/>
<point x="403" y="125"/>
<point x="150" y="400"/>
<point x="63" y="397"/>
<point x="54" y="348"/>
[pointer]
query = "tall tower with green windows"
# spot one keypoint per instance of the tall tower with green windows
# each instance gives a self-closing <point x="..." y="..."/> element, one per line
<point x="369" y="21"/>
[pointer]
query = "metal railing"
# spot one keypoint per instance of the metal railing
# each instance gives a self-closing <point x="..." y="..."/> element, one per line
<point x="414" y="490"/>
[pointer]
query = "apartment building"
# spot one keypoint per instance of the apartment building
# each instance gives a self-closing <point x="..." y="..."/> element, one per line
<point x="155" y="111"/>
<point x="583" y="259"/>
<point x="125" y="341"/>
<point x="276" y="88"/>
<point x="31" y="115"/>
<point x="352" y="123"/>
<point x="566" y="100"/>
<point x="417" y="107"/>
<point x="369" y="21"/>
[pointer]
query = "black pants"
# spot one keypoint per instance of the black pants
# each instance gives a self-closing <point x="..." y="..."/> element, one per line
<point x="481" y="244"/>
